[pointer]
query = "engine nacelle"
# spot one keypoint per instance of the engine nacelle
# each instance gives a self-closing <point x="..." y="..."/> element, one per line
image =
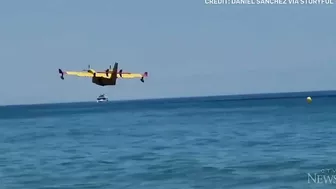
<point x="91" y="71"/>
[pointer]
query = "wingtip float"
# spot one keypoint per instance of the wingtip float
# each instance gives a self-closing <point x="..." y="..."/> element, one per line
<point x="108" y="77"/>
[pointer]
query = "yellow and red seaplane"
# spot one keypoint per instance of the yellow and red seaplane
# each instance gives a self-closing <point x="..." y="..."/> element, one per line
<point x="109" y="77"/>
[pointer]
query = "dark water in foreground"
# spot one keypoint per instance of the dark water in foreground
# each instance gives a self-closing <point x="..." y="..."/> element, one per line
<point x="170" y="144"/>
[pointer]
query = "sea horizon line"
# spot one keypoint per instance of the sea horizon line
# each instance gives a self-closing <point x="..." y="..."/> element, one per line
<point x="228" y="97"/>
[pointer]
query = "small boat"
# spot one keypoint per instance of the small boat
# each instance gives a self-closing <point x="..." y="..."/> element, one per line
<point x="102" y="98"/>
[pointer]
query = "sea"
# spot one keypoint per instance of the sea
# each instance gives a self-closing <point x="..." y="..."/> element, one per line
<point x="262" y="141"/>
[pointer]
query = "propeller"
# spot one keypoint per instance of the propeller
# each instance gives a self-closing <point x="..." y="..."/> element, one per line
<point x="107" y="71"/>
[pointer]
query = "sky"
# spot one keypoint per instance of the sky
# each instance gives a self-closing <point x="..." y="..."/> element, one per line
<point x="188" y="48"/>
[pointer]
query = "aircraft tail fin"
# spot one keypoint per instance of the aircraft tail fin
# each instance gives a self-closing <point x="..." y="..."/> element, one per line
<point x="115" y="67"/>
<point x="114" y="73"/>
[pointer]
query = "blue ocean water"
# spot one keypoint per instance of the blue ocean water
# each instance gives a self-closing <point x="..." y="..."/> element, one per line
<point x="212" y="142"/>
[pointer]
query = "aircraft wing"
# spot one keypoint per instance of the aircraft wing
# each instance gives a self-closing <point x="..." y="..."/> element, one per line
<point x="82" y="74"/>
<point x="130" y="75"/>
<point x="79" y="74"/>
<point x="103" y="74"/>
<point x="120" y="74"/>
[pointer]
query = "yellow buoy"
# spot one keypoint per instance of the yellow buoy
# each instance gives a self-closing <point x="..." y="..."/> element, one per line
<point x="309" y="99"/>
